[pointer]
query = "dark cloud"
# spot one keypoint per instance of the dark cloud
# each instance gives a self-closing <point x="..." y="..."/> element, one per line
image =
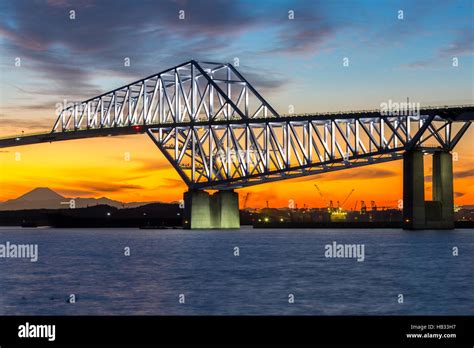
<point x="303" y="39"/>
<point x="67" y="56"/>
<point x="459" y="194"/>
<point x="464" y="174"/>
<point x="106" y="186"/>
<point x="364" y="173"/>
<point x="457" y="175"/>
<point x="107" y="28"/>
<point x="306" y="33"/>
<point x="264" y="79"/>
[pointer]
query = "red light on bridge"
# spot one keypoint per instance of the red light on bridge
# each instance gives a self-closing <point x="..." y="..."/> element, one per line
<point x="137" y="128"/>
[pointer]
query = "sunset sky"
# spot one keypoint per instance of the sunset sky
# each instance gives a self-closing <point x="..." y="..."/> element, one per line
<point x="48" y="58"/>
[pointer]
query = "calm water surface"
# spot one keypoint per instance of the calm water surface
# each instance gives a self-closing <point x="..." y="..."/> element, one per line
<point x="163" y="264"/>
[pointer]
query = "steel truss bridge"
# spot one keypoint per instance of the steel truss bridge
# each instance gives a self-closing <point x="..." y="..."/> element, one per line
<point x="219" y="133"/>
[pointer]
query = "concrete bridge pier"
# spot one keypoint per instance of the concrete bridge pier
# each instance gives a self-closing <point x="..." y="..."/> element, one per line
<point x="443" y="190"/>
<point x="204" y="211"/>
<point x="417" y="212"/>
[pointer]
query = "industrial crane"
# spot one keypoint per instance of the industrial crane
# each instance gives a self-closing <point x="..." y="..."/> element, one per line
<point x="322" y="197"/>
<point x="347" y="197"/>
<point x="373" y="205"/>
<point x="246" y="199"/>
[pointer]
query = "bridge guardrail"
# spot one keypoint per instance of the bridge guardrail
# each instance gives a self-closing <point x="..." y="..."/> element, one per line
<point x="371" y="111"/>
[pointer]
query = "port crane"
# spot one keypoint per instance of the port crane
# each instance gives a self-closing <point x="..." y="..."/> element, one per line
<point x="246" y="200"/>
<point x="319" y="191"/>
<point x="355" y="205"/>
<point x="329" y="204"/>
<point x="373" y="206"/>
<point x="347" y="197"/>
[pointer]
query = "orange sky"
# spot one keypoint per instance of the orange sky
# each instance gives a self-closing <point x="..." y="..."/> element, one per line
<point x="98" y="167"/>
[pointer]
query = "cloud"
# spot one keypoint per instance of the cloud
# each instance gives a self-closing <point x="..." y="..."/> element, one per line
<point x="93" y="186"/>
<point x="171" y="183"/>
<point x="72" y="192"/>
<point x="418" y="64"/>
<point x="264" y="79"/>
<point x="364" y="173"/>
<point x="303" y="40"/>
<point x="459" y="194"/>
<point x="464" y="174"/>
<point x="463" y="44"/>
<point x="266" y="194"/>
<point x="457" y="175"/>
<point x="152" y="165"/>
<point x="67" y="56"/>
<point x="307" y="33"/>
<point x="26" y="123"/>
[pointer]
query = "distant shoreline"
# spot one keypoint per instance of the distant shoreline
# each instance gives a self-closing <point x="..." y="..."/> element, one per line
<point x="166" y="216"/>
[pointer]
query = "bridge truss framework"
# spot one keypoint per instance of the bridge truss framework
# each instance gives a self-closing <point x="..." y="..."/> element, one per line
<point x="218" y="132"/>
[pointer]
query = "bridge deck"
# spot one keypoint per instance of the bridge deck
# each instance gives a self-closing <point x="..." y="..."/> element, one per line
<point x="461" y="113"/>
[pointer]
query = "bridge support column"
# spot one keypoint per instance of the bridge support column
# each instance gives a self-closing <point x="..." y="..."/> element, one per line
<point x="228" y="209"/>
<point x="443" y="187"/>
<point x="413" y="190"/>
<point x="197" y="210"/>
<point x="421" y="214"/>
<point x="204" y="211"/>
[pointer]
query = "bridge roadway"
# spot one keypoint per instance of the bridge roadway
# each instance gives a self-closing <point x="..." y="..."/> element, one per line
<point x="450" y="113"/>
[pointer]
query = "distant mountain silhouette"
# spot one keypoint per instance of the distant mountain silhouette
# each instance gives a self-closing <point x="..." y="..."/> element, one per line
<point x="45" y="198"/>
<point x="39" y="194"/>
